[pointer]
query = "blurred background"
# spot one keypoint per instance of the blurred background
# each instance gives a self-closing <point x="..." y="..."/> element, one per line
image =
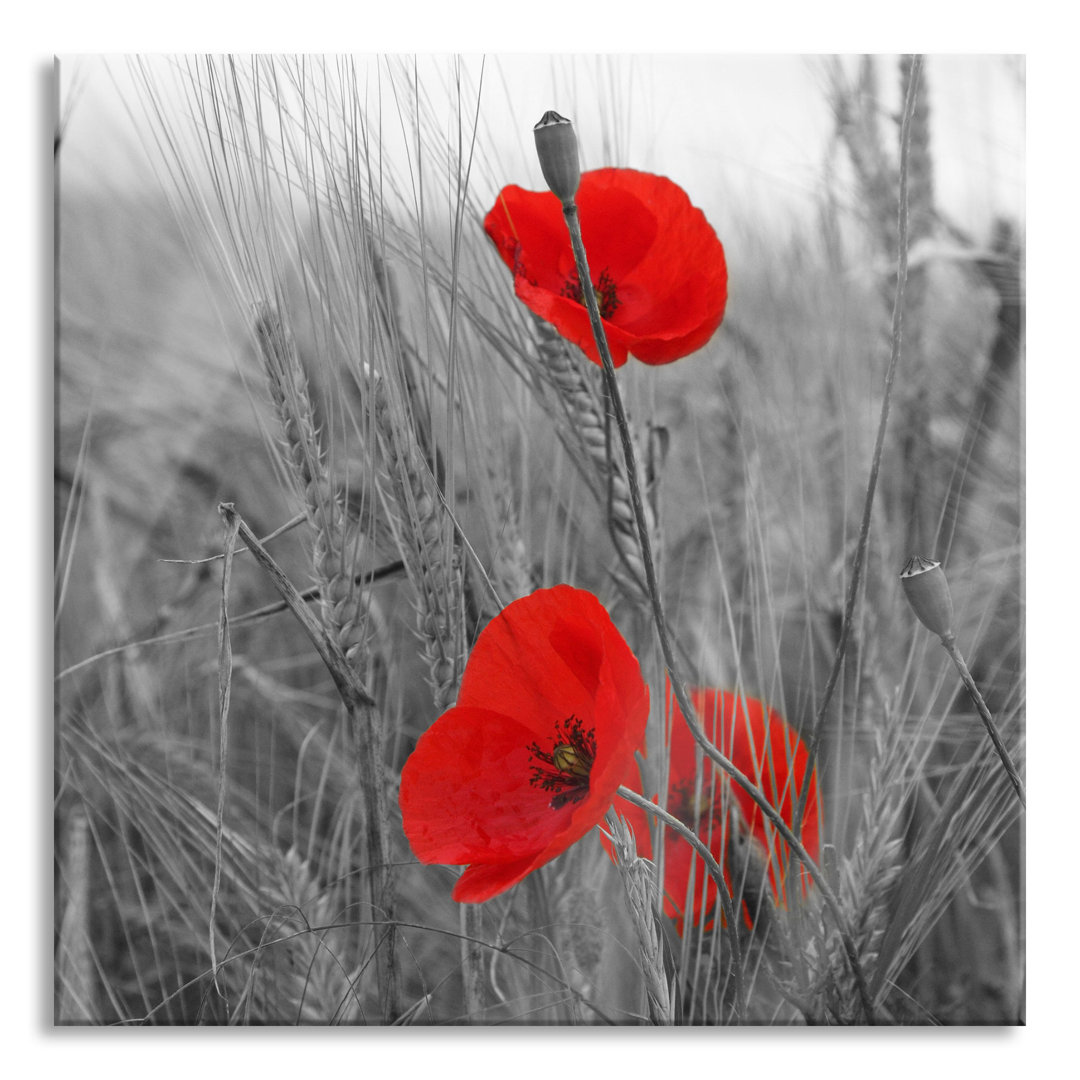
<point x="730" y="128"/>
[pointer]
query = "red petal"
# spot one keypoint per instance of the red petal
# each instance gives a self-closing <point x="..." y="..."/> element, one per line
<point x="677" y="859"/>
<point x="618" y="227"/>
<point x="529" y="230"/>
<point x="546" y="657"/>
<point x="665" y="259"/>
<point x="572" y="322"/>
<point x="466" y="791"/>
<point x="761" y="745"/>
<point x="481" y="882"/>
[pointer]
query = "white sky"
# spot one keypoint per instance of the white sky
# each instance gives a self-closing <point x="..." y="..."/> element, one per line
<point x="742" y="129"/>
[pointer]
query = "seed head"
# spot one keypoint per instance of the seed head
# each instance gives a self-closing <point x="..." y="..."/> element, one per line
<point x="928" y="593"/>
<point x="557" y="149"/>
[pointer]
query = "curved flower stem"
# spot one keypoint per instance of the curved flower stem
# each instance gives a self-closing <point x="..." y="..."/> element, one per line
<point x="573" y="223"/>
<point x="879" y="444"/>
<point x="949" y="641"/>
<point x="472" y="970"/>
<point x="715" y="872"/>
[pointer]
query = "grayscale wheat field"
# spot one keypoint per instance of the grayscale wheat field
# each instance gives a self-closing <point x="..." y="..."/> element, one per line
<point x="280" y="319"/>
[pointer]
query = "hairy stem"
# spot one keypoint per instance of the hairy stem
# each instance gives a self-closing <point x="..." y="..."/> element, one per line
<point x="949" y="641"/>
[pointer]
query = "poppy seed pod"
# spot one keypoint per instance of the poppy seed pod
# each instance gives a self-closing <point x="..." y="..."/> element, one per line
<point x="557" y="149"/>
<point x="928" y="593"/>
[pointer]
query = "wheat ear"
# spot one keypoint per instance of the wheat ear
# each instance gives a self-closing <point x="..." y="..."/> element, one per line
<point x="429" y="546"/>
<point x="639" y="885"/>
<point x="588" y="431"/>
<point x="299" y="441"/>
<point x="342" y="606"/>
<point x="867" y="878"/>
<point x="511" y="573"/>
<point x="427" y="541"/>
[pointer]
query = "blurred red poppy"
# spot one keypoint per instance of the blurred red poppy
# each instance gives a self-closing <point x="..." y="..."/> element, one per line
<point x="659" y="271"/>
<point x="748" y="848"/>
<point x="551" y="710"/>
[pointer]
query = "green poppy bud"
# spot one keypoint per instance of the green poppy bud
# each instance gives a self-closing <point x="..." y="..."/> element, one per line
<point x="556" y="147"/>
<point x="928" y="593"/>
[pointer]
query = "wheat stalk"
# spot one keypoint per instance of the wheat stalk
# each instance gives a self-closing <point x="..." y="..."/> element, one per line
<point x="586" y="426"/>
<point x="427" y="546"/>
<point x="511" y="574"/>
<point x="915" y="407"/>
<point x="74" y="971"/>
<point x="334" y="539"/>
<point x="341" y="601"/>
<point x="867" y="877"/>
<point x="639" y="887"/>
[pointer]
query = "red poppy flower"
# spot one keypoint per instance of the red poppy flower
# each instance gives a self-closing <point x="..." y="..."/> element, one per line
<point x="658" y="268"/>
<point x="763" y="747"/>
<point x="551" y="710"/>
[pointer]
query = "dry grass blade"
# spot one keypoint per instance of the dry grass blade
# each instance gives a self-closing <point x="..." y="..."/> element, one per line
<point x="243" y="617"/>
<point x="428" y="546"/>
<point x="714" y="871"/>
<point x="585" y="425"/>
<point x="75" y="977"/>
<point x="961" y="831"/>
<point x="855" y="578"/>
<point x="225" y="673"/>
<point x="639" y="885"/>
<point x="352" y="690"/>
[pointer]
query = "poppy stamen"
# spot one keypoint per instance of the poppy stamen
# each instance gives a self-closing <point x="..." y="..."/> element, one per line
<point x="607" y="295"/>
<point x="566" y="769"/>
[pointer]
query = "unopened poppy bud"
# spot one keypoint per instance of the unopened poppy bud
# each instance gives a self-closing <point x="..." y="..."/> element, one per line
<point x="928" y="593"/>
<point x="556" y="147"/>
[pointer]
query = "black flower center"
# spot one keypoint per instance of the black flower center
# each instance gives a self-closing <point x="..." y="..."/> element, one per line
<point x="565" y="770"/>
<point x="519" y="264"/>
<point x="607" y="296"/>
